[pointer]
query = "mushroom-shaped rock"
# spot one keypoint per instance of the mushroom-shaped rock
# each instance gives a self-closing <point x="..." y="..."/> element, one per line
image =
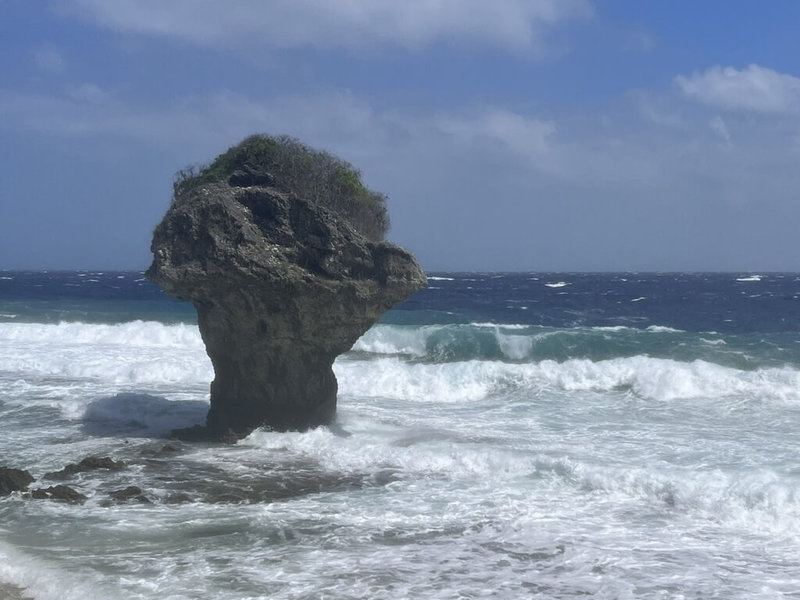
<point x="282" y="285"/>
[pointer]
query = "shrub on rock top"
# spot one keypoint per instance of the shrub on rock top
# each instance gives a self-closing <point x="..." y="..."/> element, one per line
<point x="288" y="164"/>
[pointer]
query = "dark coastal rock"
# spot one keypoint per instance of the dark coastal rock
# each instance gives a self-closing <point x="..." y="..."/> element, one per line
<point x="60" y="493"/>
<point x="90" y="463"/>
<point x="205" y="433"/>
<point x="162" y="450"/>
<point x="131" y="493"/>
<point x="14" y="480"/>
<point x="282" y="285"/>
<point x="178" y="498"/>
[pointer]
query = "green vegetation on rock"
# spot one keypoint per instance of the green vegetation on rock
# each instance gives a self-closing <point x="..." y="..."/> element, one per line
<point x="288" y="164"/>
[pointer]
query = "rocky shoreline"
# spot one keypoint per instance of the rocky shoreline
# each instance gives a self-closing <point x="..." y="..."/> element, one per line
<point x="19" y="480"/>
<point x="108" y="482"/>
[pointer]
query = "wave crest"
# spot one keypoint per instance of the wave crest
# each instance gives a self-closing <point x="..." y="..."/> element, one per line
<point x="650" y="378"/>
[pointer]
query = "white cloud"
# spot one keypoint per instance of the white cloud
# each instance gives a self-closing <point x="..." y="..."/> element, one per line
<point x="525" y="136"/>
<point x="49" y="59"/>
<point x="719" y="127"/>
<point x="624" y="149"/>
<point x="196" y="127"/>
<point x="517" y="25"/>
<point x="89" y="92"/>
<point x="656" y="111"/>
<point x="754" y="88"/>
<point x="618" y="178"/>
<point x="639" y="41"/>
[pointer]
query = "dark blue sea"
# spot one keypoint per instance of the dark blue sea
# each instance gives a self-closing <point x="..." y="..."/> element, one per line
<point x="499" y="435"/>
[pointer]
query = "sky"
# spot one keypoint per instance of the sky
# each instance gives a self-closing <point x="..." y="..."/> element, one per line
<point x="509" y="135"/>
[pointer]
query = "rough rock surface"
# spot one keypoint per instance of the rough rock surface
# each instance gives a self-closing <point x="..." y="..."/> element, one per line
<point x="60" y="493"/>
<point x="14" y="480"/>
<point x="131" y="493"/>
<point x="90" y="463"/>
<point x="282" y="286"/>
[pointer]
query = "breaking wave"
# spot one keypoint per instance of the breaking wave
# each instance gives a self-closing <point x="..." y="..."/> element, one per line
<point x="646" y="377"/>
<point x="437" y="363"/>
<point x="137" y="352"/>
<point x="531" y="343"/>
<point x="149" y="334"/>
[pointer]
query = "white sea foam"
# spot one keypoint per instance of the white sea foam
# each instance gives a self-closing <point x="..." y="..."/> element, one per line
<point x="133" y="333"/>
<point x="395" y="339"/>
<point x="397" y="379"/>
<point x="650" y="378"/>
<point x="413" y="340"/>
<point x="500" y="325"/>
<point x="663" y="329"/>
<point x="515" y="347"/>
<point x="757" y="499"/>
<point x="557" y="284"/>
<point x="667" y="380"/>
<point x="434" y="278"/>
<point x="486" y="478"/>
<point x="47" y="583"/>
<point x="129" y="354"/>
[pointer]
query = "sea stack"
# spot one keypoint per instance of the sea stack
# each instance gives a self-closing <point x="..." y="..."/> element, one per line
<point x="279" y="248"/>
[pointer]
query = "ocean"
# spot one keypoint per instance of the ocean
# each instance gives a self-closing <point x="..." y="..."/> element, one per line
<point x="499" y="435"/>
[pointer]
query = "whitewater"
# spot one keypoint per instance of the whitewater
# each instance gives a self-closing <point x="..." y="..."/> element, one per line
<point x="498" y="436"/>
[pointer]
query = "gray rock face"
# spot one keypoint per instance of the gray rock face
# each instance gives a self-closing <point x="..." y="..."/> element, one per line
<point x="14" y="480"/>
<point x="90" y="463"/>
<point x="61" y="493"/>
<point x="282" y="286"/>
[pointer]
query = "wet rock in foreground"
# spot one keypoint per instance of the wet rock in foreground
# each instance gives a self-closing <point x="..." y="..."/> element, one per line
<point x="131" y="493"/>
<point x="14" y="480"/>
<point x="60" y="493"/>
<point x="90" y="463"/>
